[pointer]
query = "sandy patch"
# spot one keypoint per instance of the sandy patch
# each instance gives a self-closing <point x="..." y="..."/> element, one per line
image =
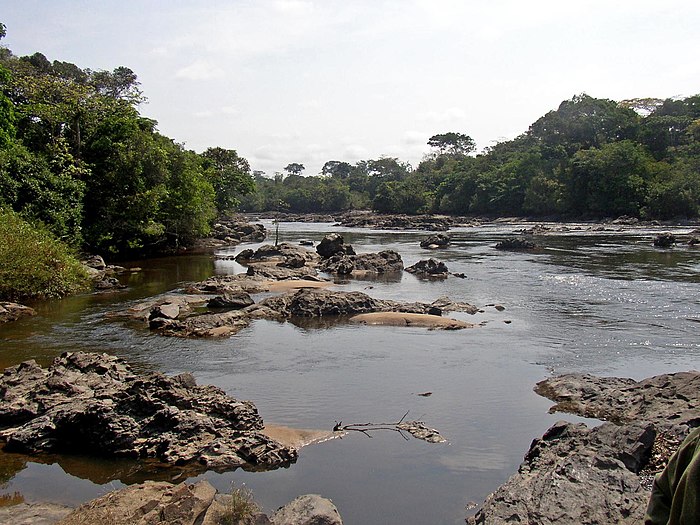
<point x="404" y="319"/>
<point x="294" y="284"/>
<point x="299" y="437"/>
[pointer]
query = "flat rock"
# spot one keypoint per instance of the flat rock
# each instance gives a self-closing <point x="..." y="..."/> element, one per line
<point x="387" y="261"/>
<point x="410" y="319"/>
<point x="33" y="513"/>
<point x="95" y="404"/>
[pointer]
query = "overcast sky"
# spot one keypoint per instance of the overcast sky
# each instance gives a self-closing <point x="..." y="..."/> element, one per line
<point x="308" y="81"/>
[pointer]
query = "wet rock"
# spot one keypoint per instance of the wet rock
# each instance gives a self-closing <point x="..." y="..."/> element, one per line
<point x="515" y="244"/>
<point x="233" y="300"/>
<point x="311" y="509"/>
<point x="95" y="404"/>
<point x="280" y="253"/>
<point x="384" y="262"/>
<point x="13" y="311"/>
<point x="575" y="475"/>
<point x="319" y="303"/>
<point x="333" y="244"/>
<point x="429" y="267"/>
<point x="422" y="320"/>
<point x="665" y="240"/>
<point x="439" y="240"/>
<point x="448" y="305"/>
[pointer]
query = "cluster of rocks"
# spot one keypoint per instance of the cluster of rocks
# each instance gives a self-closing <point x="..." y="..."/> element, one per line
<point x="429" y="268"/>
<point x="580" y="475"/>
<point x="516" y="244"/>
<point x="196" y="504"/>
<point x="103" y="275"/>
<point x="666" y="240"/>
<point x="235" y="231"/>
<point x="95" y="404"/>
<point x="398" y="222"/>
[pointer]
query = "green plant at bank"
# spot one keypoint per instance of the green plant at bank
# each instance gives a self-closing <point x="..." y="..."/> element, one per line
<point x="34" y="264"/>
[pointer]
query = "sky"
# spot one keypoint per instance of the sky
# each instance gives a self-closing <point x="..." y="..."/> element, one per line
<point x="307" y="81"/>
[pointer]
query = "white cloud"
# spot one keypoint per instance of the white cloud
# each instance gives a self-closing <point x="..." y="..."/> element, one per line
<point x="200" y="71"/>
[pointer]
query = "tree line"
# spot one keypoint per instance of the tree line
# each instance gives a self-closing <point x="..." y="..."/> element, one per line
<point x="590" y="158"/>
<point x="77" y="158"/>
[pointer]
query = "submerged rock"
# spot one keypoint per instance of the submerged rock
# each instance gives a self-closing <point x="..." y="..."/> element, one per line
<point x="433" y="242"/>
<point x="13" y="311"/>
<point x="665" y="240"/>
<point x="95" y="404"/>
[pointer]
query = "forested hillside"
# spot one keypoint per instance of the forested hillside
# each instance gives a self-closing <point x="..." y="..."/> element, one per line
<point x="590" y="158"/>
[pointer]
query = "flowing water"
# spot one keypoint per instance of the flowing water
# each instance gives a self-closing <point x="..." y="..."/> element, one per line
<point x="601" y="302"/>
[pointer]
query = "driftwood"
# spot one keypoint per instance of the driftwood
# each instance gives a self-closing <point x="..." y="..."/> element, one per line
<point x="417" y="429"/>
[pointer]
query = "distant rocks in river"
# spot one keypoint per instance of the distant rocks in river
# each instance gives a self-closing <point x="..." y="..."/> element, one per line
<point x="95" y="404"/>
<point x="433" y="242"/>
<point x="515" y="244"/>
<point x="398" y="222"/>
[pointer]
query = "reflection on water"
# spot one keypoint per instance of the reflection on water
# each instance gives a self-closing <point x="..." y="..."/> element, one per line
<point x="601" y="302"/>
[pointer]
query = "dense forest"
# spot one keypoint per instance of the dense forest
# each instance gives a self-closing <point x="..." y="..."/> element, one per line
<point x="591" y="158"/>
<point x="77" y="158"/>
<point x="79" y="162"/>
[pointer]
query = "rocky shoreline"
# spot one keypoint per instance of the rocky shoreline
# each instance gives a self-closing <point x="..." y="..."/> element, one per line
<point x="574" y="474"/>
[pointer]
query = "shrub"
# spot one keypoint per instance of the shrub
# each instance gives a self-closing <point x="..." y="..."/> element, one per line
<point x="33" y="263"/>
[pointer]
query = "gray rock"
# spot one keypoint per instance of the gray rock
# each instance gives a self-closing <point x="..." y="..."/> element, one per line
<point x="438" y="240"/>
<point x="33" y="513"/>
<point x="575" y="475"/>
<point x="311" y="509"/>
<point x="234" y="300"/>
<point x="429" y="267"/>
<point x="514" y="244"/>
<point x="384" y="262"/>
<point x="95" y="404"/>
<point x="333" y="244"/>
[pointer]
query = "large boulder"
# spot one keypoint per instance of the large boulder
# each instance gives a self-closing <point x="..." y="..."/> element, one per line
<point x="333" y="244"/>
<point x="433" y="242"/>
<point x="576" y="475"/>
<point x="95" y="404"/>
<point x="515" y="244"/>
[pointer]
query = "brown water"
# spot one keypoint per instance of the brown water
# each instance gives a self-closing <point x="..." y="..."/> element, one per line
<point x="607" y="303"/>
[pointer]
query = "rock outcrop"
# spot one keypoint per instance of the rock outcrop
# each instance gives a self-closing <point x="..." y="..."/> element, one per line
<point x="95" y="404"/>
<point x="577" y="475"/>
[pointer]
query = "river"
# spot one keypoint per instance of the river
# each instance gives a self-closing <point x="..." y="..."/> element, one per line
<point x="601" y="302"/>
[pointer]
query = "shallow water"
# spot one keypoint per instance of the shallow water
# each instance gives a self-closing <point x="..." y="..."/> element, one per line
<point x="607" y="303"/>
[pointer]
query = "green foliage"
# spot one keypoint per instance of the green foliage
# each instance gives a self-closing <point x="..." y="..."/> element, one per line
<point x="452" y="143"/>
<point x="33" y="263"/>
<point x="230" y="176"/>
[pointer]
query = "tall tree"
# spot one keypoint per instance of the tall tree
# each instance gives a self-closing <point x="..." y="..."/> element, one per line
<point x="294" y="168"/>
<point x="452" y="143"/>
<point x="230" y="176"/>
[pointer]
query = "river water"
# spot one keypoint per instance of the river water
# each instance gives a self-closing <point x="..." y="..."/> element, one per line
<point x="601" y="302"/>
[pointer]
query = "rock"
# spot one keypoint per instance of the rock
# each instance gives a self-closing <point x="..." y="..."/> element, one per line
<point x="410" y="319"/>
<point x="311" y="509"/>
<point x="384" y="262"/>
<point x="33" y="513"/>
<point x="13" y="311"/>
<point x="575" y="475"/>
<point x="280" y="253"/>
<point x="319" y="303"/>
<point x="429" y="267"/>
<point x="515" y="244"/>
<point x="439" y="240"/>
<point x="398" y="222"/>
<point x="147" y="503"/>
<point x="234" y="300"/>
<point x="95" y="404"/>
<point x="96" y="262"/>
<point x="333" y="244"/>
<point x="665" y="240"/>
<point x="233" y="231"/>
<point x="664" y="399"/>
<point x="448" y="305"/>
